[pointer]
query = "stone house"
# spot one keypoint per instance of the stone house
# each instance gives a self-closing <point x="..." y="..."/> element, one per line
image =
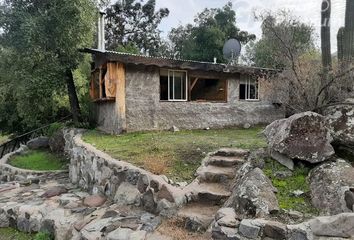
<point x="136" y="93"/>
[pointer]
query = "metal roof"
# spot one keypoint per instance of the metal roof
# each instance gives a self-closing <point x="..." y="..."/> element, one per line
<point x="164" y="62"/>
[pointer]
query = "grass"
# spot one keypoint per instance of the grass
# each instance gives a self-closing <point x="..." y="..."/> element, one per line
<point x="39" y="160"/>
<point x="3" y="138"/>
<point x="176" y="155"/>
<point x="288" y="185"/>
<point x="12" y="234"/>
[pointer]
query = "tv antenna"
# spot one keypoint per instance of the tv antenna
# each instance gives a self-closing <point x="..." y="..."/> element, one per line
<point x="232" y="50"/>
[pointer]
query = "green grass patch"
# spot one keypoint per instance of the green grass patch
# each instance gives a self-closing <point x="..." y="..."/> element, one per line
<point x="13" y="234"/>
<point x="3" y="138"/>
<point x="176" y="155"/>
<point x="39" y="160"/>
<point x="290" y="184"/>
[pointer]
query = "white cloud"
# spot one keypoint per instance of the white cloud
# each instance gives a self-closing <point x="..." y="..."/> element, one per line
<point x="183" y="11"/>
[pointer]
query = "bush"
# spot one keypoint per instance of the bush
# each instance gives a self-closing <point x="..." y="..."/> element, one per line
<point x="43" y="236"/>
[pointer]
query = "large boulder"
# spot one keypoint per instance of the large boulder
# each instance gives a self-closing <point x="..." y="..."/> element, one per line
<point x="341" y="122"/>
<point x="38" y="143"/>
<point x="57" y="142"/>
<point x="339" y="226"/>
<point x="253" y="195"/>
<point x="332" y="185"/>
<point x="303" y="136"/>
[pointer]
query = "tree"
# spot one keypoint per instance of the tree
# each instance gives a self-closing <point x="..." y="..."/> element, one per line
<point x="133" y="22"/>
<point x="288" y="43"/>
<point x="40" y="41"/>
<point x="204" y="39"/>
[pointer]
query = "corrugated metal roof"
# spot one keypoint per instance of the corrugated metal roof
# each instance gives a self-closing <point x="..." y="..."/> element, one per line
<point x="184" y="64"/>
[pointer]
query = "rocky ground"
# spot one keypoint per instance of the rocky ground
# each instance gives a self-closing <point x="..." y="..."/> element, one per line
<point x="58" y="207"/>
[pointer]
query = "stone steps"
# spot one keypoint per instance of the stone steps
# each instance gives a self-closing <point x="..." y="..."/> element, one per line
<point x="198" y="216"/>
<point x="215" y="174"/>
<point x="224" y="161"/>
<point x="207" y="192"/>
<point x="231" y="152"/>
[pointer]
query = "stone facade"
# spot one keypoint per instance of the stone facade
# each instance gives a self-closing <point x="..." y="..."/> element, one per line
<point x="145" y="111"/>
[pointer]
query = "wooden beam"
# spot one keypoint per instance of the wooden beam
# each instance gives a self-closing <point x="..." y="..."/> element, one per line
<point x="100" y="83"/>
<point x="194" y="83"/>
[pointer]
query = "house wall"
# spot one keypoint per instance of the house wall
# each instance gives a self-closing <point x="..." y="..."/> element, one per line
<point x="106" y="116"/>
<point x="145" y="111"/>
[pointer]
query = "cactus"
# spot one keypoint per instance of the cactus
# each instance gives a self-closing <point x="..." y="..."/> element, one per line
<point x="348" y="39"/>
<point x="340" y="39"/>
<point x="326" y="35"/>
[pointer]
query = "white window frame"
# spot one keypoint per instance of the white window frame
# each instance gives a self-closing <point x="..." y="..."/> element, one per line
<point x="186" y="86"/>
<point x="248" y="82"/>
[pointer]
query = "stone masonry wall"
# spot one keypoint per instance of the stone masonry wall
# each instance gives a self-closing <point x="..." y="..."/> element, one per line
<point x="145" y="111"/>
<point x="121" y="182"/>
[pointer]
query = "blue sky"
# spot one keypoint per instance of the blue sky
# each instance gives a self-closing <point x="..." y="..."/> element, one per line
<point x="183" y="11"/>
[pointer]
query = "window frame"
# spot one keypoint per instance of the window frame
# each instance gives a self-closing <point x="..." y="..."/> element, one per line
<point x="246" y="80"/>
<point x="169" y="85"/>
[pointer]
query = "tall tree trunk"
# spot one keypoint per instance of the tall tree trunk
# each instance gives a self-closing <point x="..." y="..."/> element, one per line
<point x="74" y="101"/>
<point x="348" y="42"/>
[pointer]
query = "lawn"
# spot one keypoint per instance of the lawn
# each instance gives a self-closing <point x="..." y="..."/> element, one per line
<point x="174" y="154"/>
<point x="286" y="186"/>
<point x="39" y="160"/>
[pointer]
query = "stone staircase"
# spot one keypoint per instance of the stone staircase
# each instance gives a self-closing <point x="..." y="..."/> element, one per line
<point x="212" y="187"/>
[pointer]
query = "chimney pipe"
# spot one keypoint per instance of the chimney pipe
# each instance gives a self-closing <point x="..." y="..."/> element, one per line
<point x="101" y="32"/>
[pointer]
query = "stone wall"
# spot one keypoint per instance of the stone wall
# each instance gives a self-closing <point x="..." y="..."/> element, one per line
<point x="121" y="182"/>
<point x="10" y="173"/>
<point x="145" y="111"/>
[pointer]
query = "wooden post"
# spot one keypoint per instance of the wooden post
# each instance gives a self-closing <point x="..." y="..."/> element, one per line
<point x="121" y="97"/>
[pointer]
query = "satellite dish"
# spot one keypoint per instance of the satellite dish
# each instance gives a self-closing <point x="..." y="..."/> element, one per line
<point x="232" y="49"/>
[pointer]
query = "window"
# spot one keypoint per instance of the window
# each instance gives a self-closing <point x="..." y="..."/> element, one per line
<point x="208" y="90"/>
<point x="173" y="85"/>
<point x="248" y="88"/>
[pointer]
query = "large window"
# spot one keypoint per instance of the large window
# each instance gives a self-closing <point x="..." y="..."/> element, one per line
<point x="213" y="90"/>
<point x="173" y="85"/>
<point x="249" y="88"/>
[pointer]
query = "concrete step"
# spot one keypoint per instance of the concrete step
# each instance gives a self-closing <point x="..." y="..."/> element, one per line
<point x="223" y="161"/>
<point x="215" y="174"/>
<point x="232" y="152"/>
<point x="198" y="216"/>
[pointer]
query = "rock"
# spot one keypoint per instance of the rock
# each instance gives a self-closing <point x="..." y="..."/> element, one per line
<point x="249" y="230"/>
<point x="295" y="215"/>
<point x="195" y="224"/>
<point x="257" y="158"/>
<point x="57" y="142"/>
<point x="341" y="118"/>
<point x="54" y="191"/>
<point x="275" y="230"/>
<point x="166" y="208"/>
<point x="138" y="235"/>
<point x="148" y="201"/>
<point x="302" y="136"/>
<point x="127" y="194"/>
<point x="349" y="199"/>
<point x="120" y="234"/>
<point x="224" y="233"/>
<point x="94" y="201"/>
<point x="174" y="129"/>
<point x="143" y="183"/>
<point x="165" y="193"/>
<point x="38" y="143"/>
<point x="253" y="195"/>
<point x="150" y="222"/>
<point x="334" y="226"/>
<point x="226" y="217"/>
<point x="328" y="184"/>
<point x="282" y="159"/>
<point x="283" y="174"/>
<point x="4" y="221"/>
<point x="297" y="193"/>
<point x="247" y="126"/>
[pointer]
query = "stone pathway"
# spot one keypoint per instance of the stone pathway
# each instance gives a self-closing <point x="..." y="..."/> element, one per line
<point x="57" y="206"/>
<point x="211" y="188"/>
